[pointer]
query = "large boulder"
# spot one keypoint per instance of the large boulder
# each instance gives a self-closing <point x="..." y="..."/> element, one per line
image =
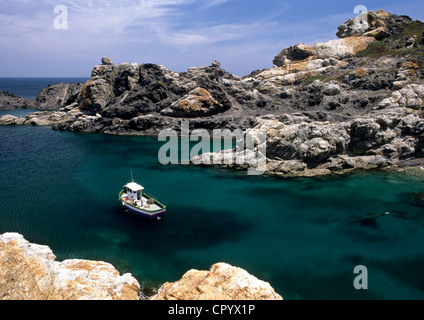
<point x="293" y="53"/>
<point x="96" y="95"/>
<point x="221" y="282"/>
<point x="341" y="48"/>
<point x="301" y="57"/>
<point x="369" y="23"/>
<point x="29" y="272"/>
<point x="107" y="61"/>
<point x="199" y="102"/>
<point x="9" y="120"/>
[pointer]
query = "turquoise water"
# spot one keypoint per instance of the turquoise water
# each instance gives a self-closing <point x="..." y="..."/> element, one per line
<point x="301" y="235"/>
<point x="17" y="113"/>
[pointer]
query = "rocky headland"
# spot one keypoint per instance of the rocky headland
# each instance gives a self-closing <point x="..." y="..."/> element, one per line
<point x="9" y="101"/>
<point x="355" y="102"/>
<point x="30" y="272"/>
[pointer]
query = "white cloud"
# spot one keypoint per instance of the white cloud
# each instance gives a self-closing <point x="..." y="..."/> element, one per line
<point x="169" y="32"/>
<point x="214" y="3"/>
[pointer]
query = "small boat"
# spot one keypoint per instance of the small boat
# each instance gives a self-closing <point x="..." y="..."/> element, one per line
<point x="137" y="202"/>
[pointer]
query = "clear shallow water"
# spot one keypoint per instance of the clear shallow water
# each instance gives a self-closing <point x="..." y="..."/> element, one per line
<point x="17" y="112"/>
<point x="301" y="235"/>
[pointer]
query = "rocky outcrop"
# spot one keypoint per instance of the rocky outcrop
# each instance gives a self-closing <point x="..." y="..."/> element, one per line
<point x="221" y="282"/>
<point x="355" y="35"/>
<point x="374" y="65"/>
<point x="54" y="97"/>
<point x="295" y="145"/>
<point x="9" y="101"/>
<point x="46" y="118"/>
<point x="9" y="120"/>
<point x="198" y="102"/>
<point x="371" y="24"/>
<point x="98" y="91"/>
<point x="298" y="57"/>
<point x="29" y="272"/>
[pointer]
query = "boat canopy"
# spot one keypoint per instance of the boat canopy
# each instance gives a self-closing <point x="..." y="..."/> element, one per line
<point x="134" y="187"/>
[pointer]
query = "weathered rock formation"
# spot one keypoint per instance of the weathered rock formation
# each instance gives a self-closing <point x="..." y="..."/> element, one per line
<point x="298" y="57"/>
<point x="221" y="282"/>
<point x="9" y="101"/>
<point x="29" y="272"/>
<point x="295" y="145"/>
<point x="369" y="24"/>
<point x="198" y="102"/>
<point x="375" y="66"/>
<point x="54" y="97"/>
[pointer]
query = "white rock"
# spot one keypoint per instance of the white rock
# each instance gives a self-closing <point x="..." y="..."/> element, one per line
<point x="332" y="89"/>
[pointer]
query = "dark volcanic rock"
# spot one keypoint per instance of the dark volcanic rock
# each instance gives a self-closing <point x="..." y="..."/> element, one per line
<point x="54" y="97"/>
<point x="352" y="102"/>
<point x="9" y="101"/>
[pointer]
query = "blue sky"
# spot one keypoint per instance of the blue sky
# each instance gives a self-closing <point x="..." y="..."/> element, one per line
<point x="244" y="35"/>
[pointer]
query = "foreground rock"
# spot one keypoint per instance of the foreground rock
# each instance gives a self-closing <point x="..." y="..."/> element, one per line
<point x="221" y="282"/>
<point x="29" y="272"/>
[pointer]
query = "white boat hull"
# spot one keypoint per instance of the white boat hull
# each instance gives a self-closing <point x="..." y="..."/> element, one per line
<point x="144" y="213"/>
<point x="154" y="210"/>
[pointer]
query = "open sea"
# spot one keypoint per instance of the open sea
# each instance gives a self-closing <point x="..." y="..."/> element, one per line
<point x="304" y="236"/>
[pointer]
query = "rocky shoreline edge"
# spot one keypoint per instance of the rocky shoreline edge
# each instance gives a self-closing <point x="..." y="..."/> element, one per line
<point x="354" y="103"/>
<point x="30" y="272"/>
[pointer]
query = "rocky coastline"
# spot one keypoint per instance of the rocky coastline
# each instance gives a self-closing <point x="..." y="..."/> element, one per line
<point x="355" y="102"/>
<point x="9" y="101"/>
<point x="30" y="272"/>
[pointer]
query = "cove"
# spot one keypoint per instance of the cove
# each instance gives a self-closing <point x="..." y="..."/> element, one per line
<point x="304" y="236"/>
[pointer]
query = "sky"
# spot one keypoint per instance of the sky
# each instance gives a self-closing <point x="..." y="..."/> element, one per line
<point x="244" y="35"/>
